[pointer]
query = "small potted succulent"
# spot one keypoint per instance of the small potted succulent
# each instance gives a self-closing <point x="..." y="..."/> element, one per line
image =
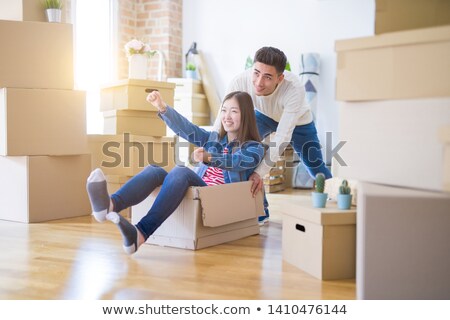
<point x="319" y="198"/>
<point x="53" y="9"/>
<point x="344" y="198"/>
<point x="191" y="71"/>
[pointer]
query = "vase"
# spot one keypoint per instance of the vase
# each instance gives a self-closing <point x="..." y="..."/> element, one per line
<point x="53" y="15"/>
<point x="137" y="66"/>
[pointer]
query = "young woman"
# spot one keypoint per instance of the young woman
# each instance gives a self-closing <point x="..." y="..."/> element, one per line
<point x="227" y="156"/>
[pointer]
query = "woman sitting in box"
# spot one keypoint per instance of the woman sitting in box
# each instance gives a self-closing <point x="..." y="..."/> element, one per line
<point x="230" y="155"/>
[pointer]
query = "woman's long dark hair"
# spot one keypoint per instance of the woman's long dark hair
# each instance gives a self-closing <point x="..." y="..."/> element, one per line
<point x="248" y="129"/>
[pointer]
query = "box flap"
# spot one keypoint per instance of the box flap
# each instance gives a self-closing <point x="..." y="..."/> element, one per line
<point x="228" y="203"/>
<point x="435" y="34"/>
<point x="140" y="83"/>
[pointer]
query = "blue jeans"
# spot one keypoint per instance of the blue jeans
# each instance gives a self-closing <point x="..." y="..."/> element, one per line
<point x="174" y="186"/>
<point x="304" y="141"/>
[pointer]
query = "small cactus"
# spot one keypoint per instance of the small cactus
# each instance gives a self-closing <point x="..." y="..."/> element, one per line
<point x="344" y="188"/>
<point x="320" y="182"/>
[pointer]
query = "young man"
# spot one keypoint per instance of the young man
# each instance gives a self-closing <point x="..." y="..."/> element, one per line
<point x="280" y="107"/>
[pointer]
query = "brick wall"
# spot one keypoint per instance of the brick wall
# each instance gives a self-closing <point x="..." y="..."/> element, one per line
<point x="157" y="22"/>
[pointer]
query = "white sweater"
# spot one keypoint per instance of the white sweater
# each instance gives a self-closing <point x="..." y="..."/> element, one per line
<point x="286" y="105"/>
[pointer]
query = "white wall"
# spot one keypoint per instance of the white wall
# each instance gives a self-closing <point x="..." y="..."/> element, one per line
<point x="228" y="31"/>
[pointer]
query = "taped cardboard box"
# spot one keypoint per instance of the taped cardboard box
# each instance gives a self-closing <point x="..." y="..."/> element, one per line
<point x="131" y="94"/>
<point x="394" y="142"/>
<point x="399" y="65"/>
<point x="42" y="122"/>
<point x="320" y="241"/>
<point x="403" y="243"/>
<point x="144" y="123"/>
<point x="204" y="218"/>
<point x="42" y="59"/>
<point x="43" y="188"/>
<point x="127" y="155"/>
<point x="398" y="15"/>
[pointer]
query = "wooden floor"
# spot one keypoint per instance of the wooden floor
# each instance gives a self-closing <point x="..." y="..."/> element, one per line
<point x="81" y="259"/>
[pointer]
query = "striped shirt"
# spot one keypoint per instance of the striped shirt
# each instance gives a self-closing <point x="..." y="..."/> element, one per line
<point x="214" y="176"/>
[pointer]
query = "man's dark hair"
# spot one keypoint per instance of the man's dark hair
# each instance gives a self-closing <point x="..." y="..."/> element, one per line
<point x="272" y="57"/>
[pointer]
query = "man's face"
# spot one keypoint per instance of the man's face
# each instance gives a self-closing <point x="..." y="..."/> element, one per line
<point x="265" y="79"/>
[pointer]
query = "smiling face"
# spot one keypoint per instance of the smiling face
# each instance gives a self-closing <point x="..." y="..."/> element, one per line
<point x="265" y="79"/>
<point x="231" y="117"/>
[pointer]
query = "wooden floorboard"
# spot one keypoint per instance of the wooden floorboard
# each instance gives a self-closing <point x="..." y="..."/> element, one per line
<point x="79" y="258"/>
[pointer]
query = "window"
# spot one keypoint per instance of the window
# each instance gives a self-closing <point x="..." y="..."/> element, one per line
<point x="95" y="53"/>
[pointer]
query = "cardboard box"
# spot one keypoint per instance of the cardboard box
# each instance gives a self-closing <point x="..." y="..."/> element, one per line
<point x="24" y="10"/>
<point x="444" y="137"/>
<point x="127" y="155"/>
<point x="403" y="244"/>
<point x="394" y="142"/>
<point x="185" y="86"/>
<point x="320" y="241"/>
<point x="398" y="65"/>
<point x="194" y="107"/>
<point x="144" y="123"/>
<point x="42" y="122"/>
<point x="202" y="221"/>
<point x="43" y="58"/>
<point x="130" y="94"/>
<point x="398" y="15"/>
<point x="43" y="188"/>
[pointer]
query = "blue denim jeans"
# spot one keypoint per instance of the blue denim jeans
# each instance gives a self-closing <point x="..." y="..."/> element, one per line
<point x="173" y="188"/>
<point x="304" y="141"/>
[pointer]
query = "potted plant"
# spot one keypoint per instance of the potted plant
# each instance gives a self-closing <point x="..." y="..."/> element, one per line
<point x="344" y="198"/>
<point x="319" y="198"/>
<point x="138" y="53"/>
<point x="53" y="9"/>
<point x="190" y="71"/>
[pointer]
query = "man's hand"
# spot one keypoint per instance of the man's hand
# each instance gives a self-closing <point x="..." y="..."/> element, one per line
<point x="257" y="184"/>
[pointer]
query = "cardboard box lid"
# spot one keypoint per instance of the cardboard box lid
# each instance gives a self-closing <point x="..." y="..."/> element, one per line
<point x="128" y="138"/>
<point x="228" y="203"/>
<point x="151" y="84"/>
<point x="426" y="35"/>
<point x="330" y="215"/>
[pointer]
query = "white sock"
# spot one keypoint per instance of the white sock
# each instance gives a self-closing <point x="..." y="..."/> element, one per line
<point x="98" y="194"/>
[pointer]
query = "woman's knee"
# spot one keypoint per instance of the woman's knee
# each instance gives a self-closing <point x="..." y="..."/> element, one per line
<point x="154" y="170"/>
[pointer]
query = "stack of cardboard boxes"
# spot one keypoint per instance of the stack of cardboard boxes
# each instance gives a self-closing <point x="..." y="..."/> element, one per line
<point x="134" y="136"/>
<point x="395" y="95"/>
<point x="44" y="158"/>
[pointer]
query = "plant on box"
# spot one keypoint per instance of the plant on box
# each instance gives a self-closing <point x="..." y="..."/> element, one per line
<point x="319" y="198"/>
<point x="136" y="46"/>
<point x="344" y="198"/>
<point x="53" y="10"/>
<point x="190" y="71"/>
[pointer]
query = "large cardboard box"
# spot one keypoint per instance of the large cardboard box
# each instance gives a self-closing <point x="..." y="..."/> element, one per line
<point x="403" y="244"/>
<point x="42" y="188"/>
<point x="194" y="107"/>
<point x="144" y="123"/>
<point x="36" y="55"/>
<point x="185" y="86"/>
<point x="398" y="15"/>
<point x="202" y="220"/>
<point x="399" y="65"/>
<point x="127" y="155"/>
<point x="320" y="241"/>
<point x="24" y="10"/>
<point x="42" y="122"/>
<point x="394" y="142"/>
<point x="130" y="94"/>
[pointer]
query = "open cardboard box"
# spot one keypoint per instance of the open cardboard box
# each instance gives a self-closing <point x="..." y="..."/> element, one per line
<point x="207" y="216"/>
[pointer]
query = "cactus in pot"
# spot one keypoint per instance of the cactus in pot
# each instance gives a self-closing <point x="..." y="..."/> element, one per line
<point x="319" y="198"/>
<point x="344" y="197"/>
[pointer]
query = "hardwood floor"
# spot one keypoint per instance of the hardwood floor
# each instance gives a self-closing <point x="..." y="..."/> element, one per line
<point x="81" y="259"/>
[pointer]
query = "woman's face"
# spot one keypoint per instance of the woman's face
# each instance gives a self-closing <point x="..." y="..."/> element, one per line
<point x="231" y="117"/>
